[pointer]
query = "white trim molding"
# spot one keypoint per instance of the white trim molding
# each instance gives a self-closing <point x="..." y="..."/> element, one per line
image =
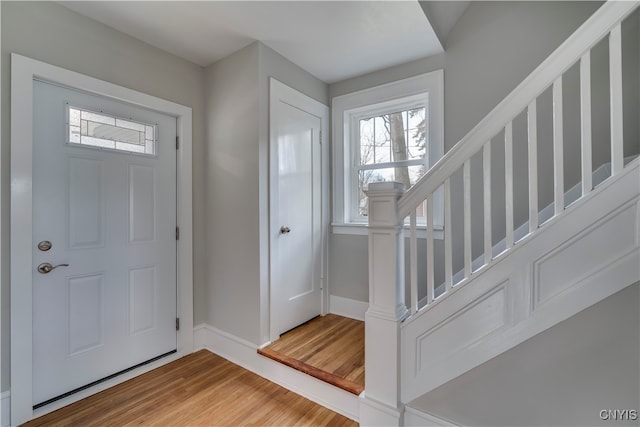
<point x="244" y="354"/>
<point x="348" y="307"/>
<point x="362" y="230"/>
<point x="416" y="418"/>
<point x="23" y="72"/>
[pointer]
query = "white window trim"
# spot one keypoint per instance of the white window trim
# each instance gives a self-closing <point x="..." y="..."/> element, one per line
<point x="346" y="108"/>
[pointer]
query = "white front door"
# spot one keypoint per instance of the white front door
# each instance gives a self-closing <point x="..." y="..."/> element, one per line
<point x="296" y="224"/>
<point x="109" y="217"/>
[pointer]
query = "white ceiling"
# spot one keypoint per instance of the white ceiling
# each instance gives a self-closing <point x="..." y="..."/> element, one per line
<point x="332" y="40"/>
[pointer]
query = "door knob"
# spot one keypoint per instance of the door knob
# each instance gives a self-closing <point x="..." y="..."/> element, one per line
<point x="284" y="230"/>
<point x="46" y="267"/>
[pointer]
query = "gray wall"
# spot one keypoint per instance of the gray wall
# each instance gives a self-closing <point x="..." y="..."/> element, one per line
<point x="231" y="90"/>
<point x="561" y="377"/>
<point x="492" y="48"/>
<point x="237" y="93"/>
<point x="51" y="33"/>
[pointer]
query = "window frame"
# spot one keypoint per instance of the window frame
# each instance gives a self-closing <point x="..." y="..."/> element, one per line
<point x="347" y="110"/>
<point x="354" y="116"/>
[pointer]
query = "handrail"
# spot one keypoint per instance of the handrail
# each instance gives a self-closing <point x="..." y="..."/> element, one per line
<point x="566" y="55"/>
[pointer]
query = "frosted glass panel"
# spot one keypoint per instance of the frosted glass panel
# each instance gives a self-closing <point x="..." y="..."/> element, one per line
<point x="103" y="131"/>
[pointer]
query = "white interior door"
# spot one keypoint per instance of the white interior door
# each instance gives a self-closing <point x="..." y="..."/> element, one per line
<point x="109" y="216"/>
<point x="296" y="223"/>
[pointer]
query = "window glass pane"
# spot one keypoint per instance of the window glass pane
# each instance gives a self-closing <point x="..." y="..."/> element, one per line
<point x="393" y="137"/>
<point x="97" y="142"/>
<point x="382" y="139"/>
<point x="149" y="133"/>
<point x="130" y="125"/>
<point x="367" y="142"/>
<point x="405" y="174"/>
<point x="103" y="131"/>
<point x="114" y="133"/>
<point x="98" y="118"/>
<point x="417" y="133"/>
<point x="74" y="134"/>
<point x="136" y="148"/>
<point x="74" y="117"/>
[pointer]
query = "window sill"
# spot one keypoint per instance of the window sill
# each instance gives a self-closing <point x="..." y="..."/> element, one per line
<point x="361" y="229"/>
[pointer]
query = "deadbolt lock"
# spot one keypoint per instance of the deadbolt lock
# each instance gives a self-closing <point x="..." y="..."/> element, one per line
<point x="45" y="245"/>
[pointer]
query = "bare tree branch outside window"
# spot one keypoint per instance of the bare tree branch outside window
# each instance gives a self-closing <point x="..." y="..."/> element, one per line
<point x="393" y="147"/>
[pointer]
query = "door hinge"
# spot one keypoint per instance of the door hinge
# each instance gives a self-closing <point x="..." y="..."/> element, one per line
<point x="177" y="142"/>
<point x="177" y="233"/>
<point x="177" y="323"/>
<point x="320" y="137"/>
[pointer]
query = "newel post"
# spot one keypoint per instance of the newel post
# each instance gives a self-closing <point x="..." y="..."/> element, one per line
<point x="381" y="403"/>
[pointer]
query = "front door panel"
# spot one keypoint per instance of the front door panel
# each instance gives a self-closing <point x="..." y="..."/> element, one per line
<point x="109" y="302"/>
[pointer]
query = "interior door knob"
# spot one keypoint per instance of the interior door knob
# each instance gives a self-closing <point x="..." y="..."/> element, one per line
<point x="284" y="230"/>
<point x="46" y="267"/>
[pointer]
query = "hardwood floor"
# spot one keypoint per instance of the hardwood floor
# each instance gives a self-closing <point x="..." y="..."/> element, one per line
<point x="330" y="348"/>
<point x="200" y="389"/>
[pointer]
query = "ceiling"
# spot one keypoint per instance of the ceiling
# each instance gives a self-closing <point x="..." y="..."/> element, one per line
<point x="333" y="40"/>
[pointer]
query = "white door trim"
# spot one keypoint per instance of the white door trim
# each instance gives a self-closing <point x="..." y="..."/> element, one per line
<point x="278" y="91"/>
<point x="23" y="72"/>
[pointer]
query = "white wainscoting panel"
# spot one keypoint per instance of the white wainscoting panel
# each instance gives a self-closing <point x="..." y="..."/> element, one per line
<point x="584" y="255"/>
<point x="474" y="322"/>
<point x="588" y="252"/>
<point x="244" y="354"/>
<point x="348" y="307"/>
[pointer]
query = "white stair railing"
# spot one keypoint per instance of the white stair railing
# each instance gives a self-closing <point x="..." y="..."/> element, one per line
<point x="604" y="23"/>
<point x="389" y="206"/>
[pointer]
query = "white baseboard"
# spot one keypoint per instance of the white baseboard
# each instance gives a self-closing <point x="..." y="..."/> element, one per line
<point x="376" y="414"/>
<point x="415" y="418"/>
<point x="244" y="354"/>
<point x="5" y="407"/>
<point x="347" y="307"/>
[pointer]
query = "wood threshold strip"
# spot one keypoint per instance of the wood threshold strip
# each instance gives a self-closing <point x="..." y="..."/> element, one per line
<point x="298" y="365"/>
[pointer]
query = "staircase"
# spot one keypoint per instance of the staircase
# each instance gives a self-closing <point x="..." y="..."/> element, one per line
<point x="563" y="235"/>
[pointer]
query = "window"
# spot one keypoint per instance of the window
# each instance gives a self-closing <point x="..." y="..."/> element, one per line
<point x="103" y="131"/>
<point x="390" y="147"/>
<point x="392" y="132"/>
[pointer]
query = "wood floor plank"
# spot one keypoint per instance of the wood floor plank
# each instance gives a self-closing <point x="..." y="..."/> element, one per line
<point x="200" y="389"/>
<point x="330" y="348"/>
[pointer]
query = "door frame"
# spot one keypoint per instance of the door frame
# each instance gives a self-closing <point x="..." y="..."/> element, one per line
<point x="23" y="72"/>
<point x="278" y="92"/>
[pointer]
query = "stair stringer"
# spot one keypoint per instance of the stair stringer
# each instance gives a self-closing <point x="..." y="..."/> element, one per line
<point x="578" y="258"/>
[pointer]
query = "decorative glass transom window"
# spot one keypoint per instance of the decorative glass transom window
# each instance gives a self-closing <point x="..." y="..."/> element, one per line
<point x="104" y="131"/>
